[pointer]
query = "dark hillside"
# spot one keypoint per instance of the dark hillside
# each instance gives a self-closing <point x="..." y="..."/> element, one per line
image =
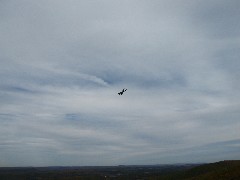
<point x="225" y="170"/>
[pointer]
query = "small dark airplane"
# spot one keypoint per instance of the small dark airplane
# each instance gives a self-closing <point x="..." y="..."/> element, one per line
<point x="121" y="93"/>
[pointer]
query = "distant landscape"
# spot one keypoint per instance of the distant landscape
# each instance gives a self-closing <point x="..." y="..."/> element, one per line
<point x="219" y="170"/>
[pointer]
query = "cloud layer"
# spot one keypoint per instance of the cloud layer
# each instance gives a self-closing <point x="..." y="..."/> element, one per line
<point x="63" y="62"/>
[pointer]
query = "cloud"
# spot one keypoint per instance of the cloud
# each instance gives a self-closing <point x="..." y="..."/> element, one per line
<point x="218" y="19"/>
<point x="63" y="63"/>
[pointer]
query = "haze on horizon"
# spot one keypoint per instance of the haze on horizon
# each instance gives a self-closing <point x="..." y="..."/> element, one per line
<point x="62" y="64"/>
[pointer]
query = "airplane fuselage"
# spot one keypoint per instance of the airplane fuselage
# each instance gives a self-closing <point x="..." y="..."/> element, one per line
<point x="121" y="93"/>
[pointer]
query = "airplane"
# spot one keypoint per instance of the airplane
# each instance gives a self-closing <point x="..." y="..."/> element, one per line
<point x="121" y="93"/>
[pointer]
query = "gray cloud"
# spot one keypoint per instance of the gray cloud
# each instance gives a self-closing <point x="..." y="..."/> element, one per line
<point x="218" y="19"/>
<point x="62" y="64"/>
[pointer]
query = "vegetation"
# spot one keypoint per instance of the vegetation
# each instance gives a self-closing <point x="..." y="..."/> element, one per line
<point x="229" y="170"/>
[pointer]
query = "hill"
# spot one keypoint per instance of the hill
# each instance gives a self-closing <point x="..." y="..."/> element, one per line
<point x="219" y="170"/>
<point x="223" y="170"/>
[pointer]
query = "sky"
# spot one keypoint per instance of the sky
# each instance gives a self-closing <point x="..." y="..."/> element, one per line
<point x="62" y="64"/>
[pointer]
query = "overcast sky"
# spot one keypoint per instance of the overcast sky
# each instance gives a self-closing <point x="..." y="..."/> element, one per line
<point x="62" y="63"/>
